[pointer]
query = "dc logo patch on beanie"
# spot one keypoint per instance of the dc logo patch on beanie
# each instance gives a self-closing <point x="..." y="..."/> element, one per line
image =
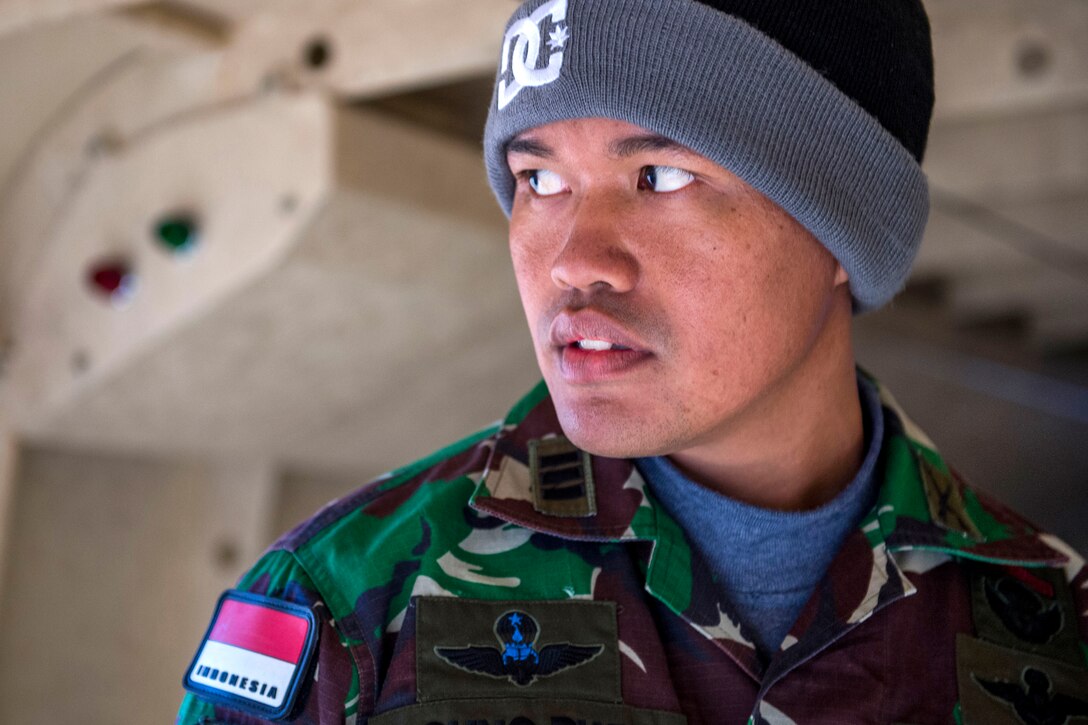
<point x="528" y="60"/>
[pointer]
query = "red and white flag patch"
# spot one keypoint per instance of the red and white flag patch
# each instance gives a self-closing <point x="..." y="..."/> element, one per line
<point x="255" y="655"/>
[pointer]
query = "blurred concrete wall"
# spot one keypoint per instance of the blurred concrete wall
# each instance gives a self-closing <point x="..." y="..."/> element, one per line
<point x="113" y="565"/>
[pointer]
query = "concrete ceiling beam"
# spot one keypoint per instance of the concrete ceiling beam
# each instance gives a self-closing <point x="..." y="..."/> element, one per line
<point x="131" y="101"/>
<point x="998" y="57"/>
<point x="1054" y="304"/>
<point x="1003" y="236"/>
<point x="368" y="47"/>
<point x="287" y="338"/>
<point x="217" y="168"/>
<point x="1028" y="156"/>
<point x="178" y="26"/>
<point x="363" y="49"/>
<point x="18" y="15"/>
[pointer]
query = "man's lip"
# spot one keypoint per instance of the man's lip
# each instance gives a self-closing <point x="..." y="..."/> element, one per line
<point x="570" y="327"/>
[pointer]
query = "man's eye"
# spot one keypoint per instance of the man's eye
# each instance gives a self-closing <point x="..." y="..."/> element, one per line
<point x="663" y="179"/>
<point x="544" y="182"/>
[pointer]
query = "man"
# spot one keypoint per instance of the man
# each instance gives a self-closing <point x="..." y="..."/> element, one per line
<point x="705" y="514"/>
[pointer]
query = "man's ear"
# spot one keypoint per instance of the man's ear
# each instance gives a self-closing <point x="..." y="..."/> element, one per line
<point x="841" y="277"/>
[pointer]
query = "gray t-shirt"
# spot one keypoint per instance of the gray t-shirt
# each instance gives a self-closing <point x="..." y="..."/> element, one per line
<point x="767" y="563"/>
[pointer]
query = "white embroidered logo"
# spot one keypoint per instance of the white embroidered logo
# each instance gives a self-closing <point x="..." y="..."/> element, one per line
<point x="526" y="38"/>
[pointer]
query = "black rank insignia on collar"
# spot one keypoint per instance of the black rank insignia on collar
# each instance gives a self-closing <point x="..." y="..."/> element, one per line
<point x="518" y="658"/>
<point x="562" y="478"/>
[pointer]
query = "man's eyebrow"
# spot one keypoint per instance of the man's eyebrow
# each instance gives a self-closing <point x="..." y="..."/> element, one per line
<point x="632" y="145"/>
<point x="529" y="146"/>
<point x="622" y="148"/>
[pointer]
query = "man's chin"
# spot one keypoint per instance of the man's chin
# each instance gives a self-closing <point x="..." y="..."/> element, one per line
<point x="612" y="435"/>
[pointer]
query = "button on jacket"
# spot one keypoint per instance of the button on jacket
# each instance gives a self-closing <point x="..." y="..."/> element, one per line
<point x="943" y="606"/>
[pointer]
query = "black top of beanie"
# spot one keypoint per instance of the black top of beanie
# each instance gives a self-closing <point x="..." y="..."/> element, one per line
<point x="878" y="52"/>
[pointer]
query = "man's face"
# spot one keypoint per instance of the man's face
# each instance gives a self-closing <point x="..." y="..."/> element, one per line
<point x="668" y="300"/>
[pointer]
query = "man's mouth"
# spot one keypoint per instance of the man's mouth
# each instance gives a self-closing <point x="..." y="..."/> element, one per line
<point x="593" y="348"/>
<point x="591" y="331"/>
<point x="597" y="345"/>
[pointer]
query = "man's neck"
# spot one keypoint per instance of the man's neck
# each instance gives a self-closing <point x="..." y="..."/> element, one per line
<point x="800" y="445"/>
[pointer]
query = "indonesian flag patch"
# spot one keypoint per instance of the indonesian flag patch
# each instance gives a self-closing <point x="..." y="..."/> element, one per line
<point x="255" y="656"/>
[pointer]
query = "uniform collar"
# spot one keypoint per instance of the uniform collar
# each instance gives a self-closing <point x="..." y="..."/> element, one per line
<point x="922" y="502"/>
<point x="616" y="492"/>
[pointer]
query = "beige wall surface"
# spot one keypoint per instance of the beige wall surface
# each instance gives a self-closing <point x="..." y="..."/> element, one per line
<point x="114" y="567"/>
<point x="9" y="453"/>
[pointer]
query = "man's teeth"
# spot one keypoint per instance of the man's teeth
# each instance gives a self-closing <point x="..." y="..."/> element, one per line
<point x="599" y="345"/>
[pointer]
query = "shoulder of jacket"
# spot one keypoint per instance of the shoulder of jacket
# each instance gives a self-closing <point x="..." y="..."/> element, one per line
<point x="1012" y="536"/>
<point x="466" y="458"/>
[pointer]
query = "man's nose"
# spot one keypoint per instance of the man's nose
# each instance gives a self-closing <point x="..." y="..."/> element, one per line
<point x="596" y="252"/>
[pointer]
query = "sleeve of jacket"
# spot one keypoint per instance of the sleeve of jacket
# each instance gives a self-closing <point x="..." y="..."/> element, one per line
<point x="329" y="697"/>
<point x="1079" y="585"/>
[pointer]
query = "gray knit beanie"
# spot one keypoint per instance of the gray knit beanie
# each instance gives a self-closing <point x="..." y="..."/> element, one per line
<point x="822" y="105"/>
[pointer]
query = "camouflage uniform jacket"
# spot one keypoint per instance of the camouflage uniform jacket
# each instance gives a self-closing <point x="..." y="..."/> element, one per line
<point x="512" y="579"/>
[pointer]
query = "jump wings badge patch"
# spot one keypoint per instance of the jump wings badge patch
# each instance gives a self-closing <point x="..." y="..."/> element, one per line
<point x="255" y="656"/>
<point x="519" y="660"/>
<point x="492" y="650"/>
